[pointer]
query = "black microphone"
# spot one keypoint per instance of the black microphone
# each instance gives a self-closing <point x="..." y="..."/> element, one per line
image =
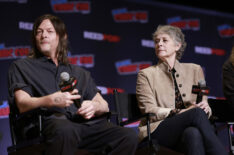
<point x="68" y="84"/>
<point x="200" y="89"/>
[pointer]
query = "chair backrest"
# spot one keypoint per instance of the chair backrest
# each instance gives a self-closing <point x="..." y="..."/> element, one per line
<point x="221" y="110"/>
<point x="126" y="105"/>
<point x="22" y="123"/>
<point x="15" y="131"/>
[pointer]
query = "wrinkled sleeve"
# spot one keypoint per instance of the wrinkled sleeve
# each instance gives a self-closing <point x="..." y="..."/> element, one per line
<point x="16" y="81"/>
<point x="91" y="89"/>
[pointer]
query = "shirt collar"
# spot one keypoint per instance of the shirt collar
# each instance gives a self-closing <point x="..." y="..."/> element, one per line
<point x="166" y="68"/>
<point x="46" y="59"/>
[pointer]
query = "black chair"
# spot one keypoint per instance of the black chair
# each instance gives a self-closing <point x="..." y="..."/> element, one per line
<point x="222" y="114"/>
<point x="221" y="110"/>
<point x="22" y="144"/>
<point x="33" y="143"/>
<point x="128" y="112"/>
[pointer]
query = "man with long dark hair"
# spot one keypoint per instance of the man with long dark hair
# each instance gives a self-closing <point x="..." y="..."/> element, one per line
<point x="34" y="82"/>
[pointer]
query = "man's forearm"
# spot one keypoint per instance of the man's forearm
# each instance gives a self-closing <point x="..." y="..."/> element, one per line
<point x="101" y="105"/>
<point x="25" y="102"/>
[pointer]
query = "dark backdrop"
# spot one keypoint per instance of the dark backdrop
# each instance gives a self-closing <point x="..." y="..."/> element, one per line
<point x="113" y="40"/>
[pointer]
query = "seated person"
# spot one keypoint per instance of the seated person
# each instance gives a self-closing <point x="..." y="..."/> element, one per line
<point x="165" y="89"/>
<point x="228" y="81"/>
<point x="34" y="82"/>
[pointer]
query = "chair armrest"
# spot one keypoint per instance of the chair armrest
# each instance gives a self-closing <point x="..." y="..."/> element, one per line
<point x="113" y="113"/>
<point x="32" y="113"/>
<point x="19" y="121"/>
<point x="107" y="115"/>
<point x="146" y="115"/>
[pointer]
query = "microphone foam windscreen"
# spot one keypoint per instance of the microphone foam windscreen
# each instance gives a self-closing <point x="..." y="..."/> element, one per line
<point x="202" y="83"/>
<point x="64" y="76"/>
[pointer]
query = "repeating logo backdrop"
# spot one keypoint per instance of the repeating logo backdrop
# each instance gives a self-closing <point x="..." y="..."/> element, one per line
<point x="113" y="40"/>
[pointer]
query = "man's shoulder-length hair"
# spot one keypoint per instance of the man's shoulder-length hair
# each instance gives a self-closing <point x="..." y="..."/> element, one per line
<point x="60" y="28"/>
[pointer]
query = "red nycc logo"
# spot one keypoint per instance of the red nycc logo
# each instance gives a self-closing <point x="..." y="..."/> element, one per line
<point x="209" y="51"/>
<point x="13" y="52"/>
<point x="82" y="60"/>
<point x="123" y="15"/>
<point x="185" y="24"/>
<point x="70" y="7"/>
<point x="126" y="67"/>
<point x="101" y="36"/>
<point x="108" y="90"/>
<point x="225" y="31"/>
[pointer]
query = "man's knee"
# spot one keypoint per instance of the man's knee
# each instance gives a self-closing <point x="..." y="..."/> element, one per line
<point x="62" y="130"/>
<point x="65" y="131"/>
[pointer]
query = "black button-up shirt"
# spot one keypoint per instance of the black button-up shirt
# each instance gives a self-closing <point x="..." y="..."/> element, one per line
<point x="40" y="77"/>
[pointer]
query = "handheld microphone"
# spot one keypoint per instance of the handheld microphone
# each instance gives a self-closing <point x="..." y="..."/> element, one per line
<point x="200" y="89"/>
<point x="68" y="84"/>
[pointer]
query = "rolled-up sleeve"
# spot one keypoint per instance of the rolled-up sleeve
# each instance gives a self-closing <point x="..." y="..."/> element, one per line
<point x="16" y="81"/>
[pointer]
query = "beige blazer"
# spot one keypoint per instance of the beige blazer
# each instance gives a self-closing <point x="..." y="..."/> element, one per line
<point x="155" y="90"/>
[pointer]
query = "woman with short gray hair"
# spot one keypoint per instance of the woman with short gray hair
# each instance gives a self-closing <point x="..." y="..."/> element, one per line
<point x="181" y="122"/>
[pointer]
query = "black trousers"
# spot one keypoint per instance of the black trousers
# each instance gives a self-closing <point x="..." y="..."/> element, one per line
<point x="64" y="137"/>
<point x="189" y="132"/>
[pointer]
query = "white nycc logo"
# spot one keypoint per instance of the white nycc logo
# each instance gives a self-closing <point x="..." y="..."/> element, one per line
<point x="25" y="25"/>
<point x="209" y="51"/>
<point x="93" y="35"/>
<point x="147" y="43"/>
<point x="101" y="36"/>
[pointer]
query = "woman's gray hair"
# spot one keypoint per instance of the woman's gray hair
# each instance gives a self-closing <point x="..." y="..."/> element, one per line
<point x="176" y="34"/>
